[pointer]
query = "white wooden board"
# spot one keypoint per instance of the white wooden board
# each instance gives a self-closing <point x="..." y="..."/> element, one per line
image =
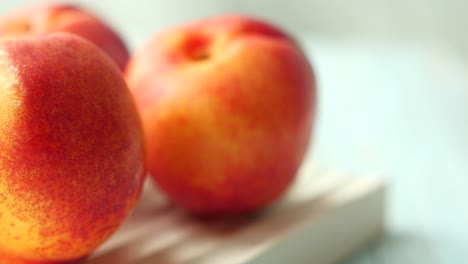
<point x="323" y="218"/>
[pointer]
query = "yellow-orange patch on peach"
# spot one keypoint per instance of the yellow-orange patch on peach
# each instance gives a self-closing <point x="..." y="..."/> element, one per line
<point x="10" y="101"/>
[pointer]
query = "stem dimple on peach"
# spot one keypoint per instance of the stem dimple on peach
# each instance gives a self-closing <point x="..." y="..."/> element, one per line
<point x="202" y="56"/>
<point x="197" y="47"/>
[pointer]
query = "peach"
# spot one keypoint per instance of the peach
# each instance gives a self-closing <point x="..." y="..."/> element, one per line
<point x="47" y="18"/>
<point x="71" y="149"/>
<point x="228" y="106"/>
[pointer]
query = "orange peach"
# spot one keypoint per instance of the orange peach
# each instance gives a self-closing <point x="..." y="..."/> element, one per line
<point x="228" y="106"/>
<point x="47" y="18"/>
<point x="71" y="149"/>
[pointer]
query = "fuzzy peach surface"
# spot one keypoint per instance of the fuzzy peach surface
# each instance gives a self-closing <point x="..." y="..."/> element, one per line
<point x="71" y="151"/>
<point x="227" y="107"/>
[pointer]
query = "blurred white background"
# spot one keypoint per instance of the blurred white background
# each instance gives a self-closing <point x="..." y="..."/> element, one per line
<point x="441" y="22"/>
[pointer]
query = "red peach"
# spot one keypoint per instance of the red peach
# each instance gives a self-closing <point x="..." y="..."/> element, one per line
<point x="228" y="105"/>
<point x="47" y="18"/>
<point x="71" y="149"/>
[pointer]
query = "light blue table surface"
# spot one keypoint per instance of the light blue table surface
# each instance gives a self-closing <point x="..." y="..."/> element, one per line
<point x="399" y="109"/>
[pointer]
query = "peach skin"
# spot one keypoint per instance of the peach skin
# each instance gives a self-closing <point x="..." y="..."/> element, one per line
<point x="71" y="149"/>
<point x="228" y="107"/>
<point x="48" y="18"/>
